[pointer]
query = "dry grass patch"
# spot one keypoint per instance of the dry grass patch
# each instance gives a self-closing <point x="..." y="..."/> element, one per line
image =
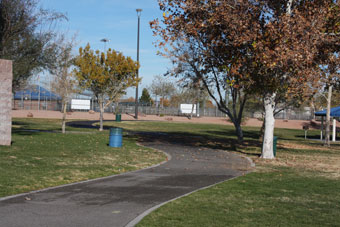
<point x="325" y="165"/>
<point x="311" y="146"/>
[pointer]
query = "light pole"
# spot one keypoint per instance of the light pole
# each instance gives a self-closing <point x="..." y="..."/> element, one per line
<point x="139" y="11"/>
<point x="105" y="40"/>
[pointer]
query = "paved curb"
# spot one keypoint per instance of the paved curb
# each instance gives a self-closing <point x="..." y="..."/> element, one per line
<point x="252" y="163"/>
<point x="147" y="212"/>
<point x="87" y="181"/>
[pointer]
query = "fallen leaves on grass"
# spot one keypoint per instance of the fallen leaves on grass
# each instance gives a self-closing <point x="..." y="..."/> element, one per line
<point x="304" y="146"/>
<point x="321" y="164"/>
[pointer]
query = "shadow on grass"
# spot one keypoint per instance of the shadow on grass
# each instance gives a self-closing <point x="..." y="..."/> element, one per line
<point x="32" y="126"/>
<point x="20" y="123"/>
<point x="221" y="140"/>
<point x="246" y="134"/>
<point x="86" y="124"/>
<point x="25" y="132"/>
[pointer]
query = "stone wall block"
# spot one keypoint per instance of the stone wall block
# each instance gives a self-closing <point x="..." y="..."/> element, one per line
<point x="6" y="77"/>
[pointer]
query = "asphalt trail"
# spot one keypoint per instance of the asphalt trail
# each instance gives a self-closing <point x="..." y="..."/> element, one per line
<point x="117" y="200"/>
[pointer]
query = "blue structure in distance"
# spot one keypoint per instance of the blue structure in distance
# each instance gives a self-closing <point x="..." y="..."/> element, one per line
<point x="34" y="92"/>
<point x="335" y="112"/>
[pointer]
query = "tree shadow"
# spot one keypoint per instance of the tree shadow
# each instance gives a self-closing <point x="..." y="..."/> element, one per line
<point x="25" y="132"/>
<point x="87" y="124"/>
<point x="19" y="123"/>
<point x="246" y="134"/>
<point x="195" y="140"/>
<point x="309" y="137"/>
<point x="217" y="140"/>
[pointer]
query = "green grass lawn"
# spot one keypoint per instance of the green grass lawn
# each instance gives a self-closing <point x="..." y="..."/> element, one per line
<point x="300" y="187"/>
<point x="281" y="197"/>
<point x="40" y="159"/>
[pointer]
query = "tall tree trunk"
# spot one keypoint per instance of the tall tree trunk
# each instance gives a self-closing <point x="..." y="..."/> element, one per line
<point x="328" y="116"/>
<point x="262" y="129"/>
<point x="192" y="110"/>
<point x="63" y="123"/>
<point x="313" y="109"/>
<point x="239" y="132"/>
<point x="267" y="146"/>
<point x="158" y="104"/>
<point x="263" y="123"/>
<point x="289" y="7"/>
<point x="117" y="108"/>
<point x="238" y="128"/>
<point x="101" y="106"/>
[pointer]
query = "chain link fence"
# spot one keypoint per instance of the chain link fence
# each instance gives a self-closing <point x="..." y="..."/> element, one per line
<point x="55" y="105"/>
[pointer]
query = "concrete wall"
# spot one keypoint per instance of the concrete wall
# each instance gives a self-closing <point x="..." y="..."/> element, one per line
<point x="6" y="77"/>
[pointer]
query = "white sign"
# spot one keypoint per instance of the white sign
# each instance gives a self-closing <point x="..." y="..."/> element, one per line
<point x="187" y="108"/>
<point x="78" y="104"/>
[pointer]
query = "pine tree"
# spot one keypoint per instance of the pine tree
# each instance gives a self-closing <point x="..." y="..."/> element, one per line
<point x="145" y="98"/>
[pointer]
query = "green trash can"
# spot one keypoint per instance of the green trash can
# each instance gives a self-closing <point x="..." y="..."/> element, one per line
<point x="274" y="145"/>
<point x="118" y="117"/>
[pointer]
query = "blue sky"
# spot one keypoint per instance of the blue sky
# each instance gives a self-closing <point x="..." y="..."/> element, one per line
<point x="116" y="20"/>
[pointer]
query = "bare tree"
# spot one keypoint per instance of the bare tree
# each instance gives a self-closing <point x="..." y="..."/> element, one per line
<point x="27" y="37"/>
<point x="194" y="93"/>
<point x="64" y="83"/>
<point x="163" y="88"/>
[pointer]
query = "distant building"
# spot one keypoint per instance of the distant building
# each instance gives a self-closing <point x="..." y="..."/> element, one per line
<point x="36" y="97"/>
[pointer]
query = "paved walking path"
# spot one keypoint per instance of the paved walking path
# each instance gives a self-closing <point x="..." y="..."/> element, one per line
<point x="117" y="200"/>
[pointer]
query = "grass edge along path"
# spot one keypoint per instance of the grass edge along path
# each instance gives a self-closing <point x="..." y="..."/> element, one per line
<point x="38" y="160"/>
<point x="279" y="198"/>
<point x="299" y="188"/>
<point x="286" y="191"/>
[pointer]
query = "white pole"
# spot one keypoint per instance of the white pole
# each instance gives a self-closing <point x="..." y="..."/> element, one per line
<point x="334" y="129"/>
<point x="39" y="97"/>
<point x="321" y="136"/>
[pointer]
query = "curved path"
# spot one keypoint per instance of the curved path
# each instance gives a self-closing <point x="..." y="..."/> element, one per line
<point x="118" y="200"/>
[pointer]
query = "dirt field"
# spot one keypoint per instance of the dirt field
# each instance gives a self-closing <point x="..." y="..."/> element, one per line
<point x="293" y="124"/>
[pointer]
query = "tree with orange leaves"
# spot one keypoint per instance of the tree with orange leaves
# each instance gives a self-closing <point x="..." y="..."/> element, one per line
<point x="107" y="75"/>
<point x="264" y="47"/>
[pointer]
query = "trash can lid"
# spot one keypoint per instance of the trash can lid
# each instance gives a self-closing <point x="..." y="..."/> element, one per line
<point x="115" y="131"/>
